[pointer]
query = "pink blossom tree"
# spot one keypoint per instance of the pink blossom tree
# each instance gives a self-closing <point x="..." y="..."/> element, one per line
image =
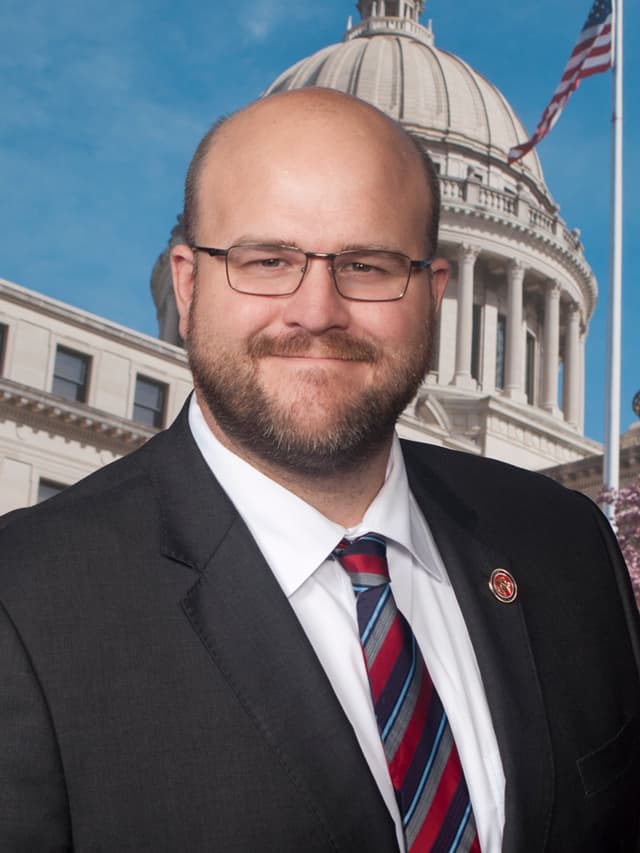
<point x="626" y="504"/>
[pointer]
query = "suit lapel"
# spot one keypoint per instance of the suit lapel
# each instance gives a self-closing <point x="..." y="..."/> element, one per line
<point x="255" y="640"/>
<point x="501" y="642"/>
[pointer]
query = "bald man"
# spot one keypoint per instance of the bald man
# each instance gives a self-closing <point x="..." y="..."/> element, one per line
<point x="276" y="627"/>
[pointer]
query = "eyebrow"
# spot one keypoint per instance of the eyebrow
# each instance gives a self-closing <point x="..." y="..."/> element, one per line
<point x="279" y="241"/>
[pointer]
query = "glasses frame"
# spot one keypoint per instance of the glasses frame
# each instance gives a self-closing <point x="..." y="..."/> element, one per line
<point x="419" y="265"/>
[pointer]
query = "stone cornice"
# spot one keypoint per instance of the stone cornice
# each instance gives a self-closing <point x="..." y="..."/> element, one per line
<point x="41" y="410"/>
<point x="45" y="305"/>
<point x="529" y="418"/>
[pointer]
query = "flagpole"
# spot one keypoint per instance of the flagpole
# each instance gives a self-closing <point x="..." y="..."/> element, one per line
<point x="611" y="470"/>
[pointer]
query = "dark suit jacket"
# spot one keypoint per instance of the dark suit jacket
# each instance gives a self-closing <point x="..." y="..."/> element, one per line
<point x="158" y="695"/>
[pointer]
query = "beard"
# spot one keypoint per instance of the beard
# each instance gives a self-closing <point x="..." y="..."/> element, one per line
<point x="315" y="432"/>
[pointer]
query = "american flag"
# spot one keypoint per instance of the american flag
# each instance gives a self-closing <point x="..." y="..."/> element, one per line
<point x="592" y="54"/>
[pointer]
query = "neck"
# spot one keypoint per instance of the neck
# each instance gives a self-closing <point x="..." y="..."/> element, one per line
<point x="342" y="497"/>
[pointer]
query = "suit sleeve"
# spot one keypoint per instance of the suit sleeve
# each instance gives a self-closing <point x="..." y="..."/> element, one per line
<point x="34" y="815"/>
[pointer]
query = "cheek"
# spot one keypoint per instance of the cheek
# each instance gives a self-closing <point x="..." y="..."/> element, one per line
<point x="230" y="317"/>
<point x="397" y="324"/>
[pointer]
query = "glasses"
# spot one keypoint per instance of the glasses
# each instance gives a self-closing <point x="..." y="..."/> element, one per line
<point x="364" y="275"/>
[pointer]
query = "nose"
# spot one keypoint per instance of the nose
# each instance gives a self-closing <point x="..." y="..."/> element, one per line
<point x="316" y="305"/>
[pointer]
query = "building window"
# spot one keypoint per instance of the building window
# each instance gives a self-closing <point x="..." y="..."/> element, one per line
<point x="530" y="368"/>
<point x="501" y="336"/>
<point x="71" y="374"/>
<point x="475" y="342"/>
<point x="3" y="343"/>
<point x="47" y="489"/>
<point x="149" y="402"/>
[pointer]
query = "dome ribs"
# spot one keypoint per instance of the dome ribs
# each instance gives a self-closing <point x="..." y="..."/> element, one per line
<point x="399" y="70"/>
<point x="435" y="94"/>
<point x="437" y="62"/>
<point x="354" y="76"/>
<point x="469" y="117"/>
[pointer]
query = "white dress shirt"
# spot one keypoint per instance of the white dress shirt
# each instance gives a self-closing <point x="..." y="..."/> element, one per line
<point x="296" y="539"/>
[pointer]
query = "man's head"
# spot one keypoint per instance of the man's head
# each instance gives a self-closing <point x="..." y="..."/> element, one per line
<point x="312" y="381"/>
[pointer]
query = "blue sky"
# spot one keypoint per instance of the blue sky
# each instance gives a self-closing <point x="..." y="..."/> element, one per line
<point x="104" y="102"/>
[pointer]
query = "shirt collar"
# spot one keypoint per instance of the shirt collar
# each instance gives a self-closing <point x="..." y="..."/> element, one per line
<point x="395" y="514"/>
<point x="294" y="538"/>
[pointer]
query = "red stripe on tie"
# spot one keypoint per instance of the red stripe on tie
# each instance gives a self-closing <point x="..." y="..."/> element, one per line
<point x="369" y="564"/>
<point x="386" y="659"/>
<point x="435" y="818"/>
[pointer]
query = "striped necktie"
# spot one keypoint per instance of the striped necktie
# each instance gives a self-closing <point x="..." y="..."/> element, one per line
<point x="421" y="754"/>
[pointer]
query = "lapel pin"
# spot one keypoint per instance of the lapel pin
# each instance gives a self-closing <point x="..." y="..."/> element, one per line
<point x="503" y="586"/>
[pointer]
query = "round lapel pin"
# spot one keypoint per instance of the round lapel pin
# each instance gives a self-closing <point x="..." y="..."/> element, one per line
<point x="503" y="586"/>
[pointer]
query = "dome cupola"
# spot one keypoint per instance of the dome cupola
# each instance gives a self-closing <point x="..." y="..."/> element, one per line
<point x="392" y="17"/>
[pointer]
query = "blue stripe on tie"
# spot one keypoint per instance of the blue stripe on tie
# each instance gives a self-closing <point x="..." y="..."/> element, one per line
<point x="427" y="769"/>
<point x="371" y="537"/>
<point x="461" y="829"/>
<point x="403" y="692"/>
<point x="374" y="616"/>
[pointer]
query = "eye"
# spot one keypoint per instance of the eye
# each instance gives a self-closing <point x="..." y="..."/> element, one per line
<point x="371" y="265"/>
<point x="270" y="262"/>
<point x="360" y="266"/>
<point x="264" y="260"/>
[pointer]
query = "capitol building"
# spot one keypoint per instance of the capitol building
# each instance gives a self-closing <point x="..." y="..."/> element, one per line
<point x="508" y="374"/>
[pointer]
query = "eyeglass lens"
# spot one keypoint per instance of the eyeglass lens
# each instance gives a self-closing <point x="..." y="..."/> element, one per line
<point x="366" y="274"/>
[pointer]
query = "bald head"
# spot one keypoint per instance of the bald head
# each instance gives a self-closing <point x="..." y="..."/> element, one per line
<point x="313" y="128"/>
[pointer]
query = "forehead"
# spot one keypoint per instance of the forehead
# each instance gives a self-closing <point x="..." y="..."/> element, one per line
<point x="338" y="155"/>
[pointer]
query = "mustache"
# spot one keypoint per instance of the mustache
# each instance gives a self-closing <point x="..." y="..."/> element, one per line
<point x="331" y="344"/>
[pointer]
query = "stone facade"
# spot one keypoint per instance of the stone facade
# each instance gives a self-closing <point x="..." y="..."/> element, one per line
<point x="76" y="392"/>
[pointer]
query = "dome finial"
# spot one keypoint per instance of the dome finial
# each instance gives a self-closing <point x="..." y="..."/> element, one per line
<point x="396" y="17"/>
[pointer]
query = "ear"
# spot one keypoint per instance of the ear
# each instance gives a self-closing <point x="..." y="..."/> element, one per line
<point x="440" y="270"/>
<point x="182" y="271"/>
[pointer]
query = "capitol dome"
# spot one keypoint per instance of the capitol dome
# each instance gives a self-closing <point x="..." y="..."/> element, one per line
<point x="508" y="374"/>
<point x="392" y="62"/>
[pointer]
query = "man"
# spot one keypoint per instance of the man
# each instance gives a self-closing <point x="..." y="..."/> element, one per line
<point x="185" y="661"/>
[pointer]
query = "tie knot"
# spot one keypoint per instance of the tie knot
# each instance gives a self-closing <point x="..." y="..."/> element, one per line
<point x="365" y="560"/>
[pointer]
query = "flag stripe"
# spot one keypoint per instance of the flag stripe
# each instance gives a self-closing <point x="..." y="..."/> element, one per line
<point x="592" y="54"/>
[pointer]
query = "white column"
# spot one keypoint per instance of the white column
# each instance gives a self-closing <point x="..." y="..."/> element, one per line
<point x="514" y="366"/>
<point x="571" y="389"/>
<point x="464" y="325"/>
<point x="551" y="349"/>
